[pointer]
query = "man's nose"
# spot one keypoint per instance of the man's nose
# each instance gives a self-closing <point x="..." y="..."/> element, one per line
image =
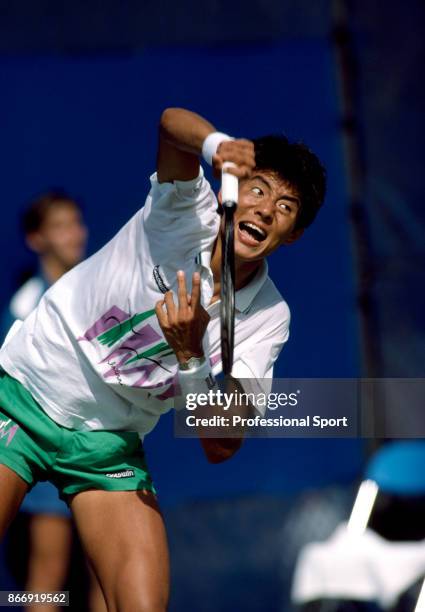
<point x="264" y="209"/>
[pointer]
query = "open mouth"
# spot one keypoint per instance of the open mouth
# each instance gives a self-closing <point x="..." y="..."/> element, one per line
<point x="250" y="233"/>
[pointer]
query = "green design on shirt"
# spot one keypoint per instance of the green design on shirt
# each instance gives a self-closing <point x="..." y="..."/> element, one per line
<point x="155" y="350"/>
<point x="121" y="329"/>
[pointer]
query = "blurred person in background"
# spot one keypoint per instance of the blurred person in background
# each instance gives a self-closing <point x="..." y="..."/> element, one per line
<point x="54" y="230"/>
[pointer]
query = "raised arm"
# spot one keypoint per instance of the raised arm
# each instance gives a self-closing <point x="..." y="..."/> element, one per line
<point x="181" y="136"/>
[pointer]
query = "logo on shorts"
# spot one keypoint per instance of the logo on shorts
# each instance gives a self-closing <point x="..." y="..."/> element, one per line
<point x="124" y="474"/>
<point x="10" y="433"/>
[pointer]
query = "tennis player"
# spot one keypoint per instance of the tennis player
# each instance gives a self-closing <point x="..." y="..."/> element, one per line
<point x="117" y="338"/>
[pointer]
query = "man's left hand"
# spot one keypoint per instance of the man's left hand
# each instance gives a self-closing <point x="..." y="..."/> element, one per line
<point x="184" y="324"/>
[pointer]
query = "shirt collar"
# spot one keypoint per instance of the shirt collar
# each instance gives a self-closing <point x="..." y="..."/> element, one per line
<point x="245" y="296"/>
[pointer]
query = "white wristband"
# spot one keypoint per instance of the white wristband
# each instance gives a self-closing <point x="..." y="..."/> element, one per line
<point x="211" y="144"/>
<point x="197" y="380"/>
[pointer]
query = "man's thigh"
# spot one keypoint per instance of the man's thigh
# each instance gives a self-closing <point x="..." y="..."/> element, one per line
<point x="124" y="537"/>
<point x="12" y="491"/>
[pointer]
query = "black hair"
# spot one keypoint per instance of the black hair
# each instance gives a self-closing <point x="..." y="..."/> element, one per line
<point x="295" y="164"/>
<point x="38" y="209"/>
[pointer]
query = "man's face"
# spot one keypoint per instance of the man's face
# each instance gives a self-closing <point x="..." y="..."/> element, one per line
<point x="62" y="235"/>
<point x="265" y="217"/>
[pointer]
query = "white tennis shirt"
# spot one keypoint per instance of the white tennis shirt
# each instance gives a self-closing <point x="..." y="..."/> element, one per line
<point x="93" y="354"/>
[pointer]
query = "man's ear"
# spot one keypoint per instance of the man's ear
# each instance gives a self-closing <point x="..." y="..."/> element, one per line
<point x="35" y="242"/>
<point x="295" y="235"/>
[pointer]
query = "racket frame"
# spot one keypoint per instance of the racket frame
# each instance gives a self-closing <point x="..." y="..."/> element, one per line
<point x="229" y="191"/>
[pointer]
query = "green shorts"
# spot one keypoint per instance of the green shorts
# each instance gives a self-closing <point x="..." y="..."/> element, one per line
<point x="37" y="448"/>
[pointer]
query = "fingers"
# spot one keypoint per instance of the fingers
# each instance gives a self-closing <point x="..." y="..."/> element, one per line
<point x="170" y="306"/>
<point x="186" y="300"/>
<point x="181" y="290"/>
<point x="240" y="152"/>
<point x="171" y="313"/>
<point x="241" y="171"/>
<point x="183" y="324"/>
<point x="167" y="316"/>
<point x="196" y="291"/>
<point x="160" y="313"/>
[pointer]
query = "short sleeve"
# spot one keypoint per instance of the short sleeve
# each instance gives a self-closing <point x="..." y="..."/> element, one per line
<point x="184" y="211"/>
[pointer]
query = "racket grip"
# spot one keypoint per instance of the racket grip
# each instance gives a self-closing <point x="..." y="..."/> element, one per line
<point x="229" y="184"/>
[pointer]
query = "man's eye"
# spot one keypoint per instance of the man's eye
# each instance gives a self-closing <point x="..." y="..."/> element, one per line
<point x="257" y="190"/>
<point x="285" y="207"/>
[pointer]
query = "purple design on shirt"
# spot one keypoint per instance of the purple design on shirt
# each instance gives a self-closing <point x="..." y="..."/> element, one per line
<point x="215" y="359"/>
<point x="106" y="321"/>
<point x="145" y="336"/>
<point x="164" y="383"/>
<point x="147" y="370"/>
<point x="10" y="433"/>
<point x="139" y="368"/>
<point x="172" y="391"/>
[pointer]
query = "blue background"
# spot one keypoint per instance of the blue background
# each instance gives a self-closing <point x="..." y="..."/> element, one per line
<point x="89" y="125"/>
<point x="82" y="88"/>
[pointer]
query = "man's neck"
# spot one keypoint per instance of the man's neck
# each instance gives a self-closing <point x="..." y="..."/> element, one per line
<point x="244" y="270"/>
<point x="52" y="269"/>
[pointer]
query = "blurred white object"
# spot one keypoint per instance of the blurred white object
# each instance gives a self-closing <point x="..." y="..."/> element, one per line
<point x="361" y="567"/>
<point x="27" y="297"/>
<point x="420" y="606"/>
<point x="362" y="508"/>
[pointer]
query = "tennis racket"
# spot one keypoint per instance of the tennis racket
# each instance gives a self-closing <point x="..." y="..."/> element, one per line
<point x="229" y="193"/>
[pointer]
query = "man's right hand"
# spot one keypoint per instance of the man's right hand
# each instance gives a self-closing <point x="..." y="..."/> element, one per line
<point x="241" y="152"/>
<point x="181" y="137"/>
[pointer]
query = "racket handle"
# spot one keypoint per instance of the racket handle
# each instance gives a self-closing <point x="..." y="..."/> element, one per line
<point x="229" y="185"/>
